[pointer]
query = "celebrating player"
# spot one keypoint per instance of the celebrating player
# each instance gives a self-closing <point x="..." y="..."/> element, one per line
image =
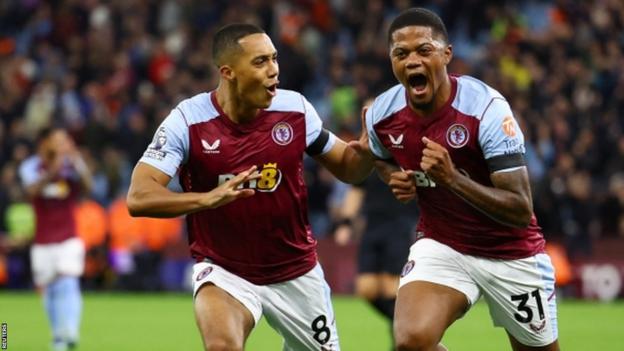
<point x="53" y="179"/>
<point x="456" y="141"/>
<point x="239" y="152"/>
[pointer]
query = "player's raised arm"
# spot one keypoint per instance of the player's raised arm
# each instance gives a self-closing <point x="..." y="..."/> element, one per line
<point x="148" y="194"/>
<point x="350" y="162"/>
<point x="346" y="162"/>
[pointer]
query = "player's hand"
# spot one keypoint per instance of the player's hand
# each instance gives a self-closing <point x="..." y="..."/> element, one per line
<point x="403" y="185"/>
<point x="229" y="191"/>
<point x="75" y="157"/>
<point x="55" y="164"/>
<point x="361" y="144"/>
<point x="437" y="164"/>
<point x="343" y="234"/>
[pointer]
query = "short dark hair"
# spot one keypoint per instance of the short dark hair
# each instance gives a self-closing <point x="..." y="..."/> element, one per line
<point x="46" y="132"/>
<point x="226" y="39"/>
<point x="418" y="16"/>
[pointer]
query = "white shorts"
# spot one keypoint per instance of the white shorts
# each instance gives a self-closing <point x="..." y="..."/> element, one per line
<point x="520" y="293"/>
<point x="299" y="309"/>
<point x="48" y="261"/>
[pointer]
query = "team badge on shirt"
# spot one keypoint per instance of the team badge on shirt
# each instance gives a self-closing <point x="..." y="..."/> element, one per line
<point x="282" y="133"/>
<point x="457" y="136"/>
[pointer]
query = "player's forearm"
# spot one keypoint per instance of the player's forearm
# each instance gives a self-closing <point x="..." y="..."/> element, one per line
<point x="356" y="166"/>
<point x="158" y="201"/>
<point x="504" y="206"/>
<point x="86" y="178"/>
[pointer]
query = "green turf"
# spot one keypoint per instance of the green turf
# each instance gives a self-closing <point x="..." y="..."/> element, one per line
<point x="165" y="322"/>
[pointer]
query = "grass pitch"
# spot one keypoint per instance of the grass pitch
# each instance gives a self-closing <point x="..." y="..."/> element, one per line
<point x="165" y="322"/>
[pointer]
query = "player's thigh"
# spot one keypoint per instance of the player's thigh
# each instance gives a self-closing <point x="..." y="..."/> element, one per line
<point x="367" y="286"/>
<point x="301" y="311"/>
<point x="521" y="297"/>
<point x="226" y="306"/>
<point x="424" y="311"/>
<point x="71" y="257"/>
<point x="222" y="320"/>
<point x="434" y="290"/>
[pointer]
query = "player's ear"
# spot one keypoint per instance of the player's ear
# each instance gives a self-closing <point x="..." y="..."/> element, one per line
<point x="227" y="72"/>
<point x="448" y="54"/>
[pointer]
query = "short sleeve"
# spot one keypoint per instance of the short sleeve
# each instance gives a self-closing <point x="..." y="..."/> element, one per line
<point x="375" y="144"/>
<point x="29" y="172"/>
<point x="316" y="137"/>
<point x="500" y="137"/>
<point x="170" y="146"/>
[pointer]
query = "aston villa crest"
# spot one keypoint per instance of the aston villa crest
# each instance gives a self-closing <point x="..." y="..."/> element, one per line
<point x="282" y="133"/>
<point x="457" y="136"/>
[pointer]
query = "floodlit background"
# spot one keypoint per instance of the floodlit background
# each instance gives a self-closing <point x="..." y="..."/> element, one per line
<point x="110" y="71"/>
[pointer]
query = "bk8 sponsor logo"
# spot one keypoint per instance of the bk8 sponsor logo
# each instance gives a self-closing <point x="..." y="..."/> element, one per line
<point x="422" y="180"/>
<point x="270" y="178"/>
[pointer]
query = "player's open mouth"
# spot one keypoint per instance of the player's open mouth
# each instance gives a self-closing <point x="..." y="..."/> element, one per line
<point x="418" y="83"/>
<point x="272" y="89"/>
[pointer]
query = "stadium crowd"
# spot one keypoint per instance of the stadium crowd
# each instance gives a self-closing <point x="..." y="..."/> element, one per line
<point x="110" y="71"/>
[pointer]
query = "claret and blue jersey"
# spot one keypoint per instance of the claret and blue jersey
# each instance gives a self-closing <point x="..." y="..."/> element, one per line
<point x="265" y="238"/>
<point x="479" y="131"/>
<point x="56" y="200"/>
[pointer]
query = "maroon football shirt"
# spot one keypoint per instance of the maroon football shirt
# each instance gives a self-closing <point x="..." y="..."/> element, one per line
<point x="477" y="128"/>
<point x="54" y="207"/>
<point x="265" y="238"/>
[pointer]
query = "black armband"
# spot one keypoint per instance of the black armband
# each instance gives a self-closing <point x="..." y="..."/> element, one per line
<point x="501" y="162"/>
<point x="316" y="148"/>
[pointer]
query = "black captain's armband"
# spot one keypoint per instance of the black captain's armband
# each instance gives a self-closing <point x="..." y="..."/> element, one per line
<point x="500" y="162"/>
<point x="316" y="148"/>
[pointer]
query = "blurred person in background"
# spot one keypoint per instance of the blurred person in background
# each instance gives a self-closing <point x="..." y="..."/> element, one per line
<point x="239" y="152"/>
<point x="53" y="180"/>
<point x="452" y="142"/>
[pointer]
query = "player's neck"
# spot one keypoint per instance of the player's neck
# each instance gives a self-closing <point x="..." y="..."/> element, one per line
<point x="235" y="108"/>
<point x="440" y="99"/>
